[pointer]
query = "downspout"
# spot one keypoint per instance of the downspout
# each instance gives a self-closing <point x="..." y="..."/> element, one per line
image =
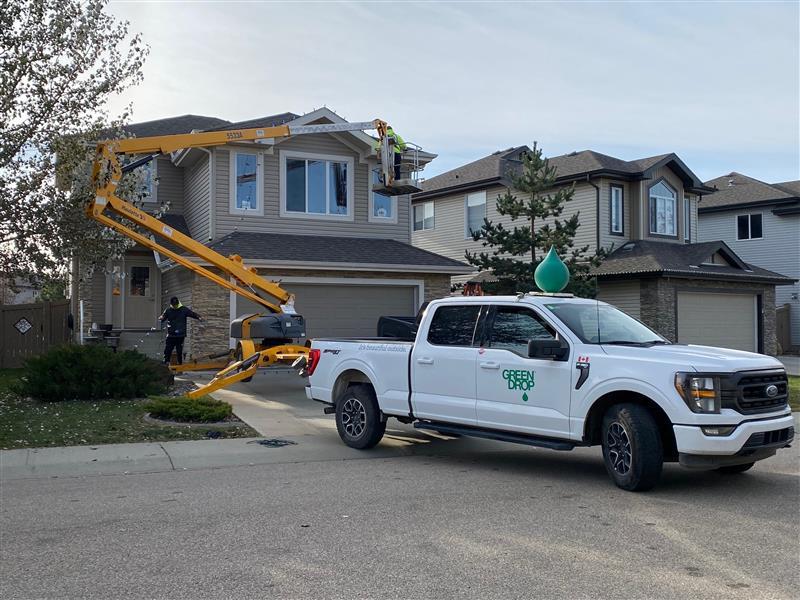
<point x="596" y="210"/>
<point x="212" y="204"/>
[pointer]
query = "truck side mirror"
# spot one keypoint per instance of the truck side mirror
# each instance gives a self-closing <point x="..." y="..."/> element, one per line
<point x="548" y="349"/>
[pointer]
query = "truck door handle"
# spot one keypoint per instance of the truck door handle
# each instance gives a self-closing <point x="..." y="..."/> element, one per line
<point x="490" y="365"/>
<point x="425" y="361"/>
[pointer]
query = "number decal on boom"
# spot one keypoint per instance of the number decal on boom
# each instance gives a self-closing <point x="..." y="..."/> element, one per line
<point x="234" y="135"/>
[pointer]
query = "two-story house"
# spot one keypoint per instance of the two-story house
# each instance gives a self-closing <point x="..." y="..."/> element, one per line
<point x="645" y="212"/>
<point x="301" y="210"/>
<point x="761" y="223"/>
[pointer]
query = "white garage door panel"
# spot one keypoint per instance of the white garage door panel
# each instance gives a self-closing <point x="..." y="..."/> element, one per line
<point x="724" y="320"/>
<point x="335" y="310"/>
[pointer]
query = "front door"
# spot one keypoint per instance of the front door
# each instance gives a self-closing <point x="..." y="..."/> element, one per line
<point x="443" y="365"/>
<point x="518" y="393"/>
<point x="140" y="294"/>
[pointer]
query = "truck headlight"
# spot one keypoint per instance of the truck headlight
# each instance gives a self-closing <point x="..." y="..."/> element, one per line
<point x="700" y="392"/>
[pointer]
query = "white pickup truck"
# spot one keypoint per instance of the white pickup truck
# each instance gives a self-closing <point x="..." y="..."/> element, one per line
<point x="558" y="372"/>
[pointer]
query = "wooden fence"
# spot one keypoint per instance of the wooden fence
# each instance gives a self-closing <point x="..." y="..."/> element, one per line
<point x="29" y="329"/>
<point x="783" y="326"/>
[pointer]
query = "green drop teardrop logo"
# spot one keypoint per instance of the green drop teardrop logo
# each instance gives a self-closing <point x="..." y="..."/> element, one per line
<point x="552" y="275"/>
<point x="524" y="397"/>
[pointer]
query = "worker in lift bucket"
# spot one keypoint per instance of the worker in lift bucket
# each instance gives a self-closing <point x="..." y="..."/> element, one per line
<point x="399" y="147"/>
<point x="175" y="315"/>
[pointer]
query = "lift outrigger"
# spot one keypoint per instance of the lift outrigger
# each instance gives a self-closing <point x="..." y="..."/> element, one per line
<point x="264" y="339"/>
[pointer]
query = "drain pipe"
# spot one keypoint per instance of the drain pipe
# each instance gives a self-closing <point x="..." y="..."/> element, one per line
<point x="212" y="195"/>
<point x="596" y="210"/>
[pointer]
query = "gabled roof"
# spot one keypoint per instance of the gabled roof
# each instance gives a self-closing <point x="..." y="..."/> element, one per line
<point x="735" y="190"/>
<point x="297" y="250"/>
<point x="496" y="167"/>
<point x="646" y="257"/>
<point x="175" y="125"/>
<point x="268" y="121"/>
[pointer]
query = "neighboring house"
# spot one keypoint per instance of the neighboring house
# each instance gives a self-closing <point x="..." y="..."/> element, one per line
<point x="18" y="290"/>
<point x="653" y="200"/>
<point x="761" y="223"/>
<point x="299" y="209"/>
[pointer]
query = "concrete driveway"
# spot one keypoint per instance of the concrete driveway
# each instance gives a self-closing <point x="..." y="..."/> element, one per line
<point x="420" y="516"/>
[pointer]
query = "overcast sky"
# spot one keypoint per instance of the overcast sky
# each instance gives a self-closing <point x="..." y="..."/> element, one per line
<point x="716" y="83"/>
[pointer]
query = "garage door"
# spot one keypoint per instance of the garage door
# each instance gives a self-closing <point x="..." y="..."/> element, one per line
<point x="344" y="310"/>
<point x="724" y="320"/>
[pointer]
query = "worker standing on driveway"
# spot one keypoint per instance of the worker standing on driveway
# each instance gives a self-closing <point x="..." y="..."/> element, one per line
<point x="175" y="315"/>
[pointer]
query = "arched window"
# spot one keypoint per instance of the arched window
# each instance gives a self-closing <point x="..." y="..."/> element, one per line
<point x="663" y="213"/>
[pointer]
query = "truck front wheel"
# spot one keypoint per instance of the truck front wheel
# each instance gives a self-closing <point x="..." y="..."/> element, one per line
<point x="632" y="449"/>
<point x="358" y="418"/>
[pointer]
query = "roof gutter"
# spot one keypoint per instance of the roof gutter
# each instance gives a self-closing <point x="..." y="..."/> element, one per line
<point x="754" y="204"/>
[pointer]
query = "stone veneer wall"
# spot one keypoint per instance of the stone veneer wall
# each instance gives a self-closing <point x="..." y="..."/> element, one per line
<point x="658" y="298"/>
<point x="213" y="302"/>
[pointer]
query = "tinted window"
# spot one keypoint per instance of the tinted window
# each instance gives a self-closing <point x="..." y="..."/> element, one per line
<point x="453" y="325"/>
<point x="602" y="324"/>
<point x="742" y="225"/>
<point x="514" y="326"/>
<point x="755" y="226"/>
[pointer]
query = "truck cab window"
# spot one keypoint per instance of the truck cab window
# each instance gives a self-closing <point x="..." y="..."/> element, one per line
<point x="454" y="325"/>
<point x="514" y="326"/>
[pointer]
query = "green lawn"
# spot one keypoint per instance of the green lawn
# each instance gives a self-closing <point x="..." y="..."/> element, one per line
<point x="794" y="392"/>
<point x="26" y="423"/>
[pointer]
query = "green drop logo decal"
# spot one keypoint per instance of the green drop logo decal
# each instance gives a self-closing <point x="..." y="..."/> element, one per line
<point x="552" y="275"/>
<point x="525" y="397"/>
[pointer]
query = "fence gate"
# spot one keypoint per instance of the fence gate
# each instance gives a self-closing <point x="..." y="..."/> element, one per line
<point x="29" y="329"/>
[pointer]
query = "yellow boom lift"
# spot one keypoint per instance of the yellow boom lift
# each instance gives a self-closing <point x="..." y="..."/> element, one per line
<point x="262" y="339"/>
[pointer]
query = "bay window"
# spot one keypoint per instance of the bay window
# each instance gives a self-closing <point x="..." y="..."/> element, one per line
<point x="663" y="214"/>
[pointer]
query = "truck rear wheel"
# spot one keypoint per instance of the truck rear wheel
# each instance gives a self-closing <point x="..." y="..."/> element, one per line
<point x="358" y="418"/>
<point x="632" y="449"/>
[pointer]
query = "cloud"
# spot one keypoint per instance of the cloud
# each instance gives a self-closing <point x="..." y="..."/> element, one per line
<point x="712" y="82"/>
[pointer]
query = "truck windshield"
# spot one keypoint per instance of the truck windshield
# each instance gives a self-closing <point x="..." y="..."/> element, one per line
<point x="604" y="324"/>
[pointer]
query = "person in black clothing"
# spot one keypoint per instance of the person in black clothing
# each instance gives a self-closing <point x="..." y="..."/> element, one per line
<point x="175" y="315"/>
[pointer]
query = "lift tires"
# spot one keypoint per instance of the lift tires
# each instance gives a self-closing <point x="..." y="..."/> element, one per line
<point x="632" y="449"/>
<point x="358" y="418"/>
<point x="238" y="356"/>
<point x="735" y="469"/>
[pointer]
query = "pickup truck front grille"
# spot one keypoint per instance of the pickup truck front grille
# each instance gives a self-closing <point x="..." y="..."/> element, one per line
<point x="749" y="392"/>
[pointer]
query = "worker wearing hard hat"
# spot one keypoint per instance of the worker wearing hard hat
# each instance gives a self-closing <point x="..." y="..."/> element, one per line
<point x="399" y="147"/>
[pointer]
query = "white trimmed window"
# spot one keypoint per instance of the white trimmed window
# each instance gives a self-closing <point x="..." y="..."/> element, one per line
<point x="318" y="186"/>
<point x="423" y="216"/>
<point x="382" y="209"/>
<point x="247" y="183"/>
<point x="663" y="213"/>
<point x="749" y="227"/>
<point x="476" y="212"/>
<point x="687" y="218"/>
<point x="617" y="209"/>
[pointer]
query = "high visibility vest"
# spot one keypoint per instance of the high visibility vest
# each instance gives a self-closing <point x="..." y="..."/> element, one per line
<point x="399" y="143"/>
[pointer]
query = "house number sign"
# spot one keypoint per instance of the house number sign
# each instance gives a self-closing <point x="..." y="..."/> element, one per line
<point x="23" y="326"/>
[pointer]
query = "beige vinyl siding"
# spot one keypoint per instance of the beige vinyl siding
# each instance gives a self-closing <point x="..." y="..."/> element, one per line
<point x="449" y="235"/>
<point x="271" y="221"/>
<point x="197" y="199"/>
<point x="625" y="295"/>
<point x="676" y="184"/>
<point x="170" y="185"/>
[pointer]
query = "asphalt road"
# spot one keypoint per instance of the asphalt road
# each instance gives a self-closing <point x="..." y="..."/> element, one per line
<point x="452" y="518"/>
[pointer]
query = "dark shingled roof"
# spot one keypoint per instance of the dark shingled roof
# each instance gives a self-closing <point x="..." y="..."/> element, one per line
<point x="269" y="121"/>
<point x="497" y="166"/>
<point x="735" y="189"/>
<point x="645" y="257"/>
<point x="330" y="249"/>
<point x="175" y="125"/>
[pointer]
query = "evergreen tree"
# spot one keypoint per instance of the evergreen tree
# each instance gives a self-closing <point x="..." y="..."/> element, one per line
<point x="537" y="203"/>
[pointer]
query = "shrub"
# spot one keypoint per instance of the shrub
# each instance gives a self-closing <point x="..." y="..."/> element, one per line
<point x="181" y="408"/>
<point x="76" y="372"/>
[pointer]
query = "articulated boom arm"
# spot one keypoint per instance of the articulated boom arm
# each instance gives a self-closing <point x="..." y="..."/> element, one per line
<point x="107" y="173"/>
